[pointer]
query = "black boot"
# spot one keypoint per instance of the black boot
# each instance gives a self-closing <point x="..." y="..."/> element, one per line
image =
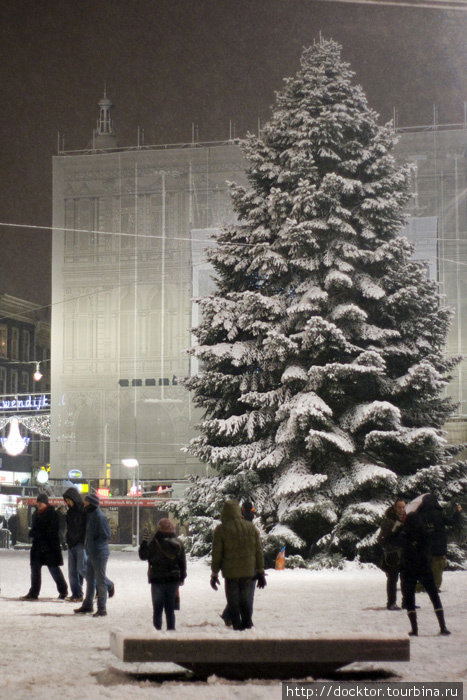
<point x="413" y="621"/>
<point x="442" y="625"/>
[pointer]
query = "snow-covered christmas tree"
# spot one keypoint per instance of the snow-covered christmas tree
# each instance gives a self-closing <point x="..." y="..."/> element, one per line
<point x="323" y="348"/>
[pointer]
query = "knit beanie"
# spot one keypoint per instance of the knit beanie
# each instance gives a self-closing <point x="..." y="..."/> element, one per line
<point x="42" y="498"/>
<point x="165" y="525"/>
<point x="92" y="499"/>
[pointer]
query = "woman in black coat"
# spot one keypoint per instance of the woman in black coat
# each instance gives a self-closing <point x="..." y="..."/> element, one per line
<point x="45" y="550"/>
<point x="166" y="571"/>
<point x="416" y="567"/>
<point x="435" y="521"/>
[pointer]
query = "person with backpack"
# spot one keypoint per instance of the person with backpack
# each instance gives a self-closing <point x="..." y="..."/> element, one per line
<point x="166" y="559"/>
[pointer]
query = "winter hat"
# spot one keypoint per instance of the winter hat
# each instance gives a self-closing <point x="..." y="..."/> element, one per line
<point x="42" y="498"/>
<point x="92" y="499"/>
<point x="248" y="510"/>
<point x="165" y="525"/>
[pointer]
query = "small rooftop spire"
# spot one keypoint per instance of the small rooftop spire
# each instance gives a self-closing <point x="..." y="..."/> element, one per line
<point x="104" y="135"/>
<point x="104" y="122"/>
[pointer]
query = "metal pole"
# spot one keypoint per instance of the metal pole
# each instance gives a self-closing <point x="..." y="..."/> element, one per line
<point x="137" y="506"/>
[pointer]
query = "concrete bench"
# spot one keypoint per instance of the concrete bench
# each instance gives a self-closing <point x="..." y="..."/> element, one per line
<point x="255" y="655"/>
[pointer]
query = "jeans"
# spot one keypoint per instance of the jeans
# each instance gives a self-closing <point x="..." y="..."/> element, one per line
<point x="76" y="569"/>
<point x="96" y="578"/>
<point x="163" y="598"/>
<point x="36" y="580"/>
<point x="251" y="597"/>
<point x="238" y="594"/>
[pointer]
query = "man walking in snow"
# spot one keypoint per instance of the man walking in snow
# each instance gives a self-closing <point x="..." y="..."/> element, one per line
<point x="237" y="552"/>
<point x="45" y="550"/>
<point x="75" y="532"/>
<point x="97" y="549"/>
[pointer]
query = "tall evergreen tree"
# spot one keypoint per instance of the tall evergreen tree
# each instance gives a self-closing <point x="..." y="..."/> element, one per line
<point x="323" y="348"/>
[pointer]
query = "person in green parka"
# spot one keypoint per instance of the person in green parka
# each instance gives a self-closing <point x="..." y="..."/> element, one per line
<point x="237" y="552"/>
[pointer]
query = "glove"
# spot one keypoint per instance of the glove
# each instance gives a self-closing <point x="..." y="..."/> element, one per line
<point x="261" y="580"/>
<point x="214" y="582"/>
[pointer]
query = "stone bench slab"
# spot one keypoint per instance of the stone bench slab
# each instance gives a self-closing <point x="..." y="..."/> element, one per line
<point x="254" y="655"/>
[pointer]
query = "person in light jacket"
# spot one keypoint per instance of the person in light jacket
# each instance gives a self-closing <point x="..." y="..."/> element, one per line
<point x="237" y="552"/>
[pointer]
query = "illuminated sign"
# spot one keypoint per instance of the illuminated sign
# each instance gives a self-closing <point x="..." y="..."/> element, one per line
<point x="13" y="477"/>
<point x="75" y="474"/>
<point x="103" y="493"/>
<point x="24" y="403"/>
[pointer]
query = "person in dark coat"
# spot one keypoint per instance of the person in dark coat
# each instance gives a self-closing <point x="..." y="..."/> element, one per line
<point x="237" y="552"/>
<point x="96" y="543"/>
<point x="435" y="521"/>
<point x="13" y="527"/>
<point x="75" y="533"/>
<point x="390" y="538"/>
<point x="416" y="567"/>
<point x="45" y="550"/>
<point x="166" y="559"/>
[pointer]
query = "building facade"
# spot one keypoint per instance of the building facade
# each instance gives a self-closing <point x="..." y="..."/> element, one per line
<point x="24" y="349"/>
<point x="438" y="228"/>
<point x="130" y="227"/>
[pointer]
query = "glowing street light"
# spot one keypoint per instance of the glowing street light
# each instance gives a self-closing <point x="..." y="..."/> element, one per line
<point x="42" y="476"/>
<point x="37" y="376"/>
<point x="132" y="463"/>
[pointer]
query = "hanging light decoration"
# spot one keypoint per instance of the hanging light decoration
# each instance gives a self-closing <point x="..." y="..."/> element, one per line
<point x="14" y="444"/>
<point x="37" y="424"/>
<point x="37" y="376"/>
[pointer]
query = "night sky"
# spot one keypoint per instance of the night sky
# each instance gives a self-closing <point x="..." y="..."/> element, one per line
<point x="170" y="63"/>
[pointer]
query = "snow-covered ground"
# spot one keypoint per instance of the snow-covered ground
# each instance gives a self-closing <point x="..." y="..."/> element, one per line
<point x="47" y="651"/>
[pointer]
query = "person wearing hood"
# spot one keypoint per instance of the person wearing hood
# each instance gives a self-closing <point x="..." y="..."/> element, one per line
<point x="96" y="543"/>
<point x="237" y="552"/>
<point x="416" y="567"/>
<point x="390" y="538"/>
<point x="435" y="521"/>
<point x="248" y="513"/>
<point x="166" y="559"/>
<point x="45" y="550"/>
<point x="75" y="532"/>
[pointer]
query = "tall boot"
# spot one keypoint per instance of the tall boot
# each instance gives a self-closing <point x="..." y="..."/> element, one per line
<point x="442" y="625"/>
<point x="413" y="621"/>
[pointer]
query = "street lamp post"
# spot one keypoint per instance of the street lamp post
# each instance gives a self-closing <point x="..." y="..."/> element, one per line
<point x="132" y="463"/>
